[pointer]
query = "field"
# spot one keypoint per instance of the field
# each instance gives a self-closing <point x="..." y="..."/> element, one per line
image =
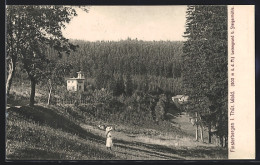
<point x="60" y="133"/>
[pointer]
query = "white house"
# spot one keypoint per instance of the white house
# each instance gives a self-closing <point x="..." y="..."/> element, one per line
<point x="76" y="84"/>
<point x="180" y="98"/>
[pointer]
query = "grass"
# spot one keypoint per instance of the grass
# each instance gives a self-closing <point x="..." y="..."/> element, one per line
<point x="50" y="133"/>
<point x="38" y="133"/>
<point x="69" y="133"/>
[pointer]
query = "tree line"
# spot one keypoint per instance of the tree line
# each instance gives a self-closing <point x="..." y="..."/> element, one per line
<point x="136" y="57"/>
<point x="205" y="69"/>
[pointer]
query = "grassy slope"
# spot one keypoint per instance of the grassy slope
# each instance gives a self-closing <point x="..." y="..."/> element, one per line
<point x="42" y="133"/>
<point x="49" y="133"/>
<point x="59" y="133"/>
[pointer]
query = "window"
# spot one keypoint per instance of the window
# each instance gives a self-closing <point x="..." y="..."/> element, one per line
<point x="79" y="87"/>
<point x="68" y="81"/>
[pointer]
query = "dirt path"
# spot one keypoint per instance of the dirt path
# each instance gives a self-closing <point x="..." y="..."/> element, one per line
<point x="133" y="147"/>
<point x="141" y="147"/>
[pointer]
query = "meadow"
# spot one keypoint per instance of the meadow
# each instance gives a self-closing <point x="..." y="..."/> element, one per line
<point x="66" y="132"/>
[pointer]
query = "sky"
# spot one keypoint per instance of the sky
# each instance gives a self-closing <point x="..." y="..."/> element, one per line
<point x="115" y="23"/>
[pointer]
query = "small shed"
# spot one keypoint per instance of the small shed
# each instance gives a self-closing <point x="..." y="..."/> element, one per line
<point x="76" y="84"/>
<point x="180" y="98"/>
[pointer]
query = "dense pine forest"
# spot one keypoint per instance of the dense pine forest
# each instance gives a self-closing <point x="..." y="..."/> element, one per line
<point x="155" y="58"/>
<point x="150" y="65"/>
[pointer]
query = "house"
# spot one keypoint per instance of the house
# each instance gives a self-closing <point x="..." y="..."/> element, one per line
<point x="184" y="99"/>
<point x="177" y="98"/>
<point x="76" y="84"/>
<point x="180" y="99"/>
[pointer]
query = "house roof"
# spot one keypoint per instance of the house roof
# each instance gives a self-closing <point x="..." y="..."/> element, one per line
<point x="177" y="96"/>
<point x="75" y="78"/>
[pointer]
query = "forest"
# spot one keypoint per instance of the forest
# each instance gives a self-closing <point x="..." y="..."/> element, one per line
<point x="127" y="70"/>
<point x="155" y="65"/>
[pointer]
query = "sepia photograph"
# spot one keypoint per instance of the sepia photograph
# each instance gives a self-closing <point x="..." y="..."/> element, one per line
<point x="119" y="82"/>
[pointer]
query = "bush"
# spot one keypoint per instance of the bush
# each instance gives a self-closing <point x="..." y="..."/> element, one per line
<point x="160" y="111"/>
<point x="102" y="96"/>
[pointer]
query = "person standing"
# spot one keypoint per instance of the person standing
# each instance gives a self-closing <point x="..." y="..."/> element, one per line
<point x="109" y="142"/>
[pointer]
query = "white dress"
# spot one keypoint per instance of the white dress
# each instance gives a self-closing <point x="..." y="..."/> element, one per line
<point x="109" y="140"/>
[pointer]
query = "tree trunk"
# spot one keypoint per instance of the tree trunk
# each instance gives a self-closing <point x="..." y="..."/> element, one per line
<point x="197" y="126"/>
<point x="197" y="133"/>
<point x="209" y="131"/>
<point x="11" y="70"/>
<point x="217" y="141"/>
<point x="226" y="141"/>
<point x="221" y="140"/>
<point x="49" y="97"/>
<point x="201" y="133"/>
<point x="33" y="84"/>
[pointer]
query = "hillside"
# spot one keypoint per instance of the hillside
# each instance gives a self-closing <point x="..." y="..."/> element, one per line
<point x="55" y="133"/>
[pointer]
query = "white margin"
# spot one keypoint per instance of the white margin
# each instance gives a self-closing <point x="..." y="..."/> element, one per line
<point x="241" y="123"/>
